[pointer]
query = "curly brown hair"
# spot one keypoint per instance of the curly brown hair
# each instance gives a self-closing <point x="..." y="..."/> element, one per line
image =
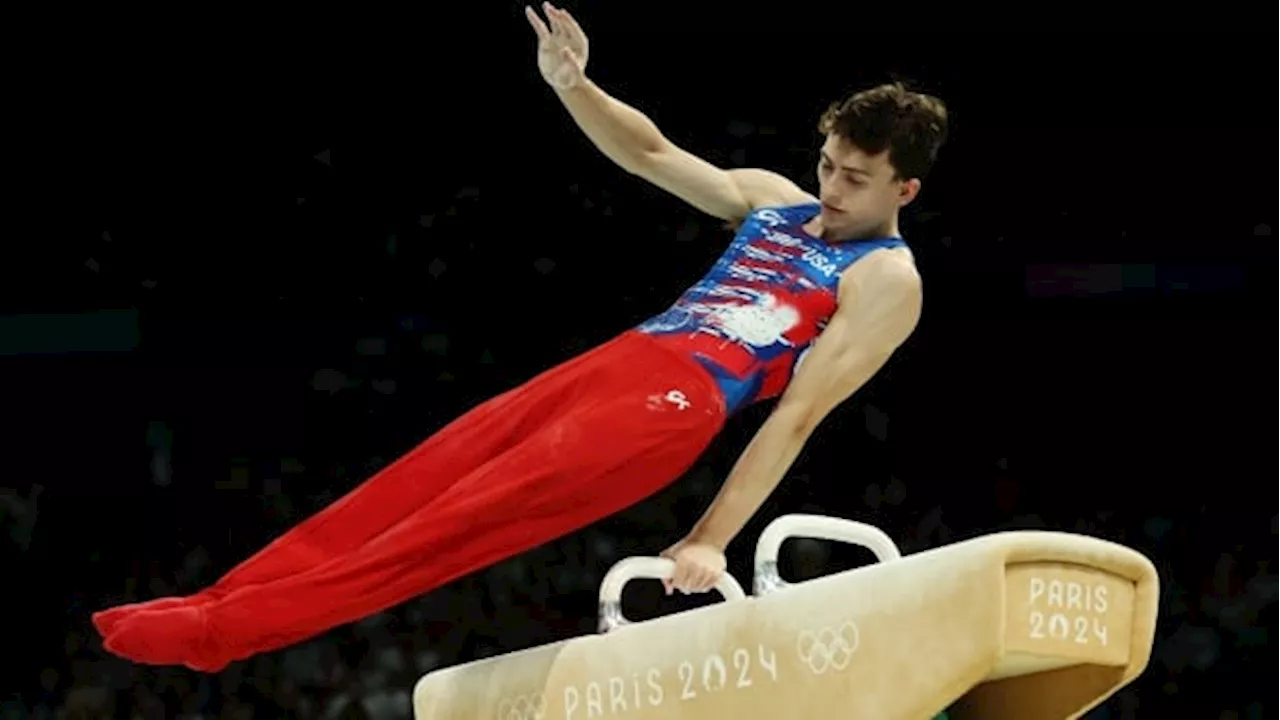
<point x="912" y="126"/>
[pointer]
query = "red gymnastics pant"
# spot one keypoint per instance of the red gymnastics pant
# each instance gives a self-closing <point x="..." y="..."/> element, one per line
<point x="571" y="446"/>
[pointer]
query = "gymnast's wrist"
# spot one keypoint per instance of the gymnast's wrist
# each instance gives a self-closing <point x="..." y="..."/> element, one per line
<point x="579" y="86"/>
<point x="701" y="535"/>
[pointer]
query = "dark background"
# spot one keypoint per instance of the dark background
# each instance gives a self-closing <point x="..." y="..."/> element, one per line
<point x="212" y="328"/>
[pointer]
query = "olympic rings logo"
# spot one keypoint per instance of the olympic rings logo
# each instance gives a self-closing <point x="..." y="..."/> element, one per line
<point x="828" y="649"/>
<point x="523" y="707"/>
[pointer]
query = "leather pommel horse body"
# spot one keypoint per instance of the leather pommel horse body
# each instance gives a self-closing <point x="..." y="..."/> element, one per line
<point x="1023" y="625"/>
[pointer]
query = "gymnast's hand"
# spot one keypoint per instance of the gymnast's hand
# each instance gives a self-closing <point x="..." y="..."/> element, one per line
<point x="699" y="566"/>
<point x="562" y="50"/>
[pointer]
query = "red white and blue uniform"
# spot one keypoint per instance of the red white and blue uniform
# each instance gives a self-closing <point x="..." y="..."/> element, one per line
<point x="750" y="320"/>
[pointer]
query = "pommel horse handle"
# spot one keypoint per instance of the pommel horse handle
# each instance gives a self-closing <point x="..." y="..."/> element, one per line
<point x="767" y="579"/>
<point x="636" y="568"/>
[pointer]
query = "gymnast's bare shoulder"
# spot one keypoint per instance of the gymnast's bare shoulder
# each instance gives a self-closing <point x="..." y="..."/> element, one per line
<point x="886" y="273"/>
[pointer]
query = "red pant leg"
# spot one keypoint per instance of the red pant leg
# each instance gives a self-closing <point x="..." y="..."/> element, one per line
<point x="621" y="444"/>
<point x="384" y="499"/>
<point x="412" y="481"/>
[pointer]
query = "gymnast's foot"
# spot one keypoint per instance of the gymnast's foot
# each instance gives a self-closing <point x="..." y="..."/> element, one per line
<point x="172" y="636"/>
<point x="107" y="620"/>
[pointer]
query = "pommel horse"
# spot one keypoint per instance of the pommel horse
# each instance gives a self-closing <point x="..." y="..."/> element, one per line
<point x="1022" y="625"/>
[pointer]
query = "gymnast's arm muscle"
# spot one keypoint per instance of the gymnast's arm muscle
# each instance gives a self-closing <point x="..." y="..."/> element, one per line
<point x="632" y="141"/>
<point x="880" y="300"/>
<point x="725" y="194"/>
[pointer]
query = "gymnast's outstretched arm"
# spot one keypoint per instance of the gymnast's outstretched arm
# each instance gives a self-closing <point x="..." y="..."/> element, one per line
<point x="632" y="141"/>
<point x="880" y="301"/>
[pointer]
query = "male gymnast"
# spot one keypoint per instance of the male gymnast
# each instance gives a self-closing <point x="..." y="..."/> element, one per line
<point x="809" y="301"/>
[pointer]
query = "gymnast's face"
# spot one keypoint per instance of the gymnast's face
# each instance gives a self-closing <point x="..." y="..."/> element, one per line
<point x="860" y="193"/>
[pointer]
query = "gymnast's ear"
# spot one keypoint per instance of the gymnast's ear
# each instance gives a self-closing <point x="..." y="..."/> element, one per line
<point x="908" y="190"/>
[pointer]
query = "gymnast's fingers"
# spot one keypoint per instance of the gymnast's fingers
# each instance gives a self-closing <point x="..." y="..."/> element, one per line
<point x="699" y="581"/>
<point x="571" y="26"/>
<point x="554" y="17"/>
<point x="539" y="28"/>
<point x="708" y="581"/>
<point x="691" y="580"/>
<point x="683" y="577"/>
